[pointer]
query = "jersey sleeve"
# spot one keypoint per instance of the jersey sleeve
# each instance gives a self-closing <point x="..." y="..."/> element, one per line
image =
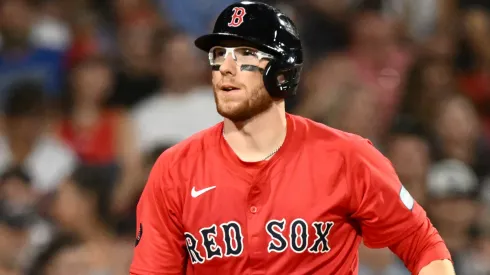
<point x="160" y="244"/>
<point x="384" y="209"/>
<point x="420" y="248"/>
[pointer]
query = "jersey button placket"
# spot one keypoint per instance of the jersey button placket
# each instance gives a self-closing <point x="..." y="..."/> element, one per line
<point x="255" y="229"/>
<point x="253" y="199"/>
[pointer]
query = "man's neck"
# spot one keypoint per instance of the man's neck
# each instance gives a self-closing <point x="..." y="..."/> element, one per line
<point x="258" y="137"/>
<point x="85" y="113"/>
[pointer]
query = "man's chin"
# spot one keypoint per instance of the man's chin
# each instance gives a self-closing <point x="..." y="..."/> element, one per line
<point x="242" y="110"/>
<point x="235" y="115"/>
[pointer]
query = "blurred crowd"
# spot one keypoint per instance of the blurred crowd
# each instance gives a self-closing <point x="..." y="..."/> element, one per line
<point x="92" y="91"/>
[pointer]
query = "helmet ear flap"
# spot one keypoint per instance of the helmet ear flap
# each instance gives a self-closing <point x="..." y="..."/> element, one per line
<point x="281" y="77"/>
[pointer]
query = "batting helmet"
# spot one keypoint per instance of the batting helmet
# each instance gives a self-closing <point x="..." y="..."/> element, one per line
<point x="268" y="30"/>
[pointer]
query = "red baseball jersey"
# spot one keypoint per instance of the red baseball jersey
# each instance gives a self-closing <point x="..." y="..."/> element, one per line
<point x="304" y="211"/>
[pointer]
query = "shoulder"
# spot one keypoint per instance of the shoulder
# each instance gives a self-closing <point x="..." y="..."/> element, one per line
<point x="353" y="148"/>
<point x="176" y="165"/>
<point x="190" y="148"/>
<point x="327" y="136"/>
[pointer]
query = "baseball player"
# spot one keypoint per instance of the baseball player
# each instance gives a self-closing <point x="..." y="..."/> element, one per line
<point x="267" y="192"/>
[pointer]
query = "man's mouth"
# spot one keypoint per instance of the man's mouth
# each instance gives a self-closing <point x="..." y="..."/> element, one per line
<point x="228" y="88"/>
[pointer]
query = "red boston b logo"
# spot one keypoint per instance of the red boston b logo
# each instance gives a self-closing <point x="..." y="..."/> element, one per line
<point x="237" y="17"/>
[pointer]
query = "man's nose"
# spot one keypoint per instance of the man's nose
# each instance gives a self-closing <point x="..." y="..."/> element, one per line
<point x="229" y="65"/>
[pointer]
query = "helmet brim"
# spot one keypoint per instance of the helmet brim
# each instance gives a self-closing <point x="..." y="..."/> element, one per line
<point x="206" y="42"/>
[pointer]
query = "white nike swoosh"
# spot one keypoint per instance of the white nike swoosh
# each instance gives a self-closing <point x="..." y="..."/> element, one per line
<point x="196" y="194"/>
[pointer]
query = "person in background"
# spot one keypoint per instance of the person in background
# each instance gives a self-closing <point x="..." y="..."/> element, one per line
<point x="458" y="134"/>
<point x="408" y="148"/>
<point x="380" y="60"/>
<point x="81" y="206"/>
<point x="323" y="25"/>
<point x="474" y="58"/>
<point x="59" y="258"/>
<point x="474" y="260"/>
<point x="430" y="81"/>
<point x="100" y="135"/>
<point x="23" y="231"/>
<point x="329" y="84"/>
<point x="136" y="78"/>
<point x="170" y="115"/>
<point x="17" y="215"/>
<point x="374" y="61"/>
<point x="50" y="29"/>
<point x="354" y="111"/>
<point x="125" y="226"/>
<point x="379" y="262"/>
<point x="25" y="141"/>
<point x="195" y="18"/>
<point x="22" y="60"/>
<point x="454" y="206"/>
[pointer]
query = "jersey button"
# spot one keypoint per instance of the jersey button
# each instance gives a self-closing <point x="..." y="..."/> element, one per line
<point x="253" y="209"/>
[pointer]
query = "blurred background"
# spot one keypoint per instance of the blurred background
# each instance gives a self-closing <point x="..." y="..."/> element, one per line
<point x="92" y="91"/>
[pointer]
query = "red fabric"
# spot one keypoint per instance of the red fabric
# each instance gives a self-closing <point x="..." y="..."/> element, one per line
<point x="82" y="48"/>
<point x="422" y="247"/>
<point x="95" y="145"/>
<point x="303" y="212"/>
<point x="252" y="168"/>
<point x="476" y="86"/>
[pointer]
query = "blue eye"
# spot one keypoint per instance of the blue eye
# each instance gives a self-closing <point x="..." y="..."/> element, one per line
<point x="249" y="53"/>
<point x="220" y="53"/>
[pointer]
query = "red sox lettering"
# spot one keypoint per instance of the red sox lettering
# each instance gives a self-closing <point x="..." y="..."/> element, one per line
<point x="232" y="235"/>
<point x="298" y="236"/>
<point x="298" y="239"/>
<point x="237" y="17"/>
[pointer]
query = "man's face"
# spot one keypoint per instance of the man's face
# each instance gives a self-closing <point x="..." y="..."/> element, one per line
<point x="248" y="97"/>
<point x="457" y="122"/>
<point x="15" y="21"/>
<point x="411" y="159"/>
<point x="455" y="213"/>
<point x="26" y="128"/>
<point x="179" y="63"/>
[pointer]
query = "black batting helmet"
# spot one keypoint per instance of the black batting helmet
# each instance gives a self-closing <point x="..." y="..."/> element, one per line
<point x="269" y="30"/>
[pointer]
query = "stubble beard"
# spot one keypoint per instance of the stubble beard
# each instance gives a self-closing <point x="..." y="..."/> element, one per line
<point x="258" y="102"/>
